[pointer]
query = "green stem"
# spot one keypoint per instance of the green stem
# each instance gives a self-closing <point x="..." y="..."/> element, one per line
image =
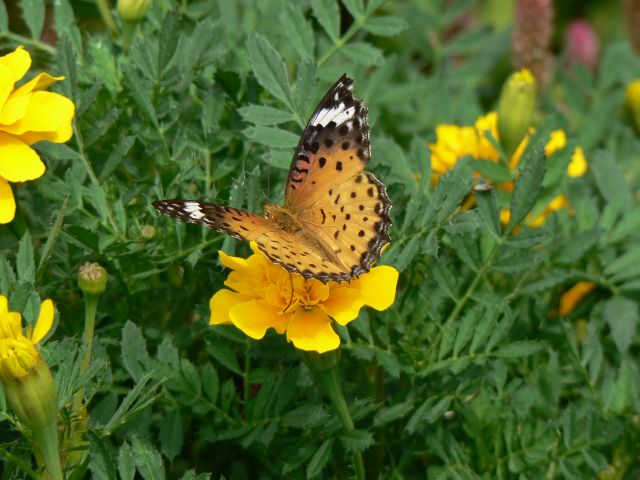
<point x="31" y="42"/>
<point x="90" y="307"/>
<point x="325" y="370"/>
<point x="46" y="444"/>
<point x="105" y="13"/>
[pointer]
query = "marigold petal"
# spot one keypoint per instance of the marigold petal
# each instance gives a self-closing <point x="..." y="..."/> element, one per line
<point x="18" y="161"/>
<point x="48" y="113"/>
<point x="4" y="306"/>
<point x="578" y="164"/>
<point x="7" y="202"/>
<point x="18" y="62"/>
<point x="572" y="297"/>
<point x="44" y="323"/>
<point x="378" y="286"/>
<point x="557" y="141"/>
<point x="221" y="303"/>
<point x="6" y="84"/>
<point x="11" y="325"/>
<point x="39" y="82"/>
<point x="310" y="329"/>
<point x="254" y="318"/>
<point x="343" y="304"/>
<point x="234" y="263"/>
<point x="14" y="110"/>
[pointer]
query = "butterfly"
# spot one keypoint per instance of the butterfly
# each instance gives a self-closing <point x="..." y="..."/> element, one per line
<point x="335" y="219"/>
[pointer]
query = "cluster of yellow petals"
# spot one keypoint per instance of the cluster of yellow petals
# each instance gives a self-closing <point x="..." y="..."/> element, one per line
<point x="18" y="354"/>
<point x="454" y="142"/>
<point x="28" y="114"/>
<point x="263" y="295"/>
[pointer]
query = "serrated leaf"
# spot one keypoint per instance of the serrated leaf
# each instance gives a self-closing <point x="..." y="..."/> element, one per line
<point x="298" y="30"/>
<point x="357" y="440"/>
<point x="264" y="115"/>
<point x="133" y="349"/>
<point x="392" y="413"/>
<point x="25" y="265"/>
<point x="328" y="16"/>
<point x="148" y="460"/>
<point x="33" y="12"/>
<point x="269" y="68"/>
<point x="499" y="332"/>
<point x="126" y="462"/>
<point x="610" y="178"/>
<point x="464" y="222"/>
<point x="466" y="330"/>
<point x="519" y="349"/>
<point x="489" y="211"/>
<point x="388" y="26"/>
<point x="102" y="465"/>
<point x="621" y="314"/>
<point x="171" y="434"/>
<point x="362" y="53"/>
<point x="319" y="459"/>
<point x="305" y="416"/>
<point x="272" y="137"/>
<point x="528" y="185"/>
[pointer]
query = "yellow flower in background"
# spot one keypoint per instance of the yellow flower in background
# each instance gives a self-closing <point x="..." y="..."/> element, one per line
<point x="572" y="297"/>
<point x="260" y="296"/>
<point x="28" y="114"/>
<point x="18" y="353"/>
<point x="632" y="100"/>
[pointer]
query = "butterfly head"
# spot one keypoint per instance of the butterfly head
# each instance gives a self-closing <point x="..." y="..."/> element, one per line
<point x="283" y="217"/>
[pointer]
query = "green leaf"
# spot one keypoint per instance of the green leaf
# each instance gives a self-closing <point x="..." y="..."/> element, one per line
<point x="272" y="137"/>
<point x="269" y="68"/>
<point x="466" y="330"/>
<point x="298" y="30"/>
<point x="171" y="434"/>
<point x="263" y="115"/>
<point x="223" y="354"/>
<point x="392" y="413"/>
<point x="362" y="53"/>
<point x="499" y="332"/>
<point x="133" y="349"/>
<point x="621" y="314"/>
<point x="528" y="185"/>
<point x="389" y="26"/>
<point x="25" y="265"/>
<point x="519" y="349"/>
<point x="33" y="12"/>
<point x="328" y="16"/>
<point x="140" y="90"/>
<point x="102" y="465"/>
<point x="126" y="462"/>
<point x="4" y="18"/>
<point x="148" y="460"/>
<point x="319" y="459"/>
<point x="355" y="7"/>
<point x="610" y="179"/>
<point x="305" y="416"/>
<point x="464" y="222"/>
<point x="407" y="253"/>
<point x="357" y="440"/>
<point x="489" y="211"/>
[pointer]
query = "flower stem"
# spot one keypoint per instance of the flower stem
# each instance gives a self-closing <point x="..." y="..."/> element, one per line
<point x="90" y="307"/>
<point x="107" y="18"/>
<point x="325" y="370"/>
<point x="46" y="444"/>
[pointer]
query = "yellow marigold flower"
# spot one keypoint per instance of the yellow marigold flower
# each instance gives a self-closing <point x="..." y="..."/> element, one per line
<point x="18" y="354"/>
<point x="260" y="296"/>
<point x="558" y="203"/>
<point x="453" y="143"/>
<point x="572" y="297"/>
<point x="632" y="99"/>
<point x="28" y="114"/>
<point x="484" y="149"/>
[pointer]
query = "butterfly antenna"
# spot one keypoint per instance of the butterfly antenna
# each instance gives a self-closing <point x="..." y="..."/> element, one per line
<point x="290" y="298"/>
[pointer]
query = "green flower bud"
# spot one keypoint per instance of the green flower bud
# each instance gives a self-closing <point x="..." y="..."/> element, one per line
<point x="133" y="10"/>
<point x="148" y="231"/>
<point x="33" y="397"/>
<point x="92" y="278"/>
<point x="515" y="109"/>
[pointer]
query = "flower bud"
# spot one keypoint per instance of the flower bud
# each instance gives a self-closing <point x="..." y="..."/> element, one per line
<point x="632" y="99"/>
<point x="583" y="45"/>
<point x="148" y="231"/>
<point x="133" y="10"/>
<point x="33" y="396"/>
<point x="515" y="109"/>
<point x="92" y="278"/>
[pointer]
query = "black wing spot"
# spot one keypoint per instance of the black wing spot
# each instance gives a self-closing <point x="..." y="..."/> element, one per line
<point x="353" y="248"/>
<point x="339" y="166"/>
<point x="328" y="142"/>
<point x="361" y="233"/>
<point x="322" y="161"/>
<point x="324" y="216"/>
<point x="344" y="227"/>
<point x="343" y="130"/>
<point x="377" y="208"/>
<point x="345" y="145"/>
<point x="365" y="219"/>
<point x="361" y="153"/>
<point x="353" y="194"/>
<point x="370" y="191"/>
<point x="335" y="234"/>
<point x="312" y="265"/>
<point x="337" y="199"/>
<point x="347" y="217"/>
<point x="361" y="207"/>
<point x="359" y="179"/>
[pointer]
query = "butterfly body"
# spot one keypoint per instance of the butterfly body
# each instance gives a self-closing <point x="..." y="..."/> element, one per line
<point x="335" y="219"/>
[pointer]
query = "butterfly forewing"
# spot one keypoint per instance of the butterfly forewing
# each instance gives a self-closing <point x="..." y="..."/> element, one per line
<point x="238" y="223"/>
